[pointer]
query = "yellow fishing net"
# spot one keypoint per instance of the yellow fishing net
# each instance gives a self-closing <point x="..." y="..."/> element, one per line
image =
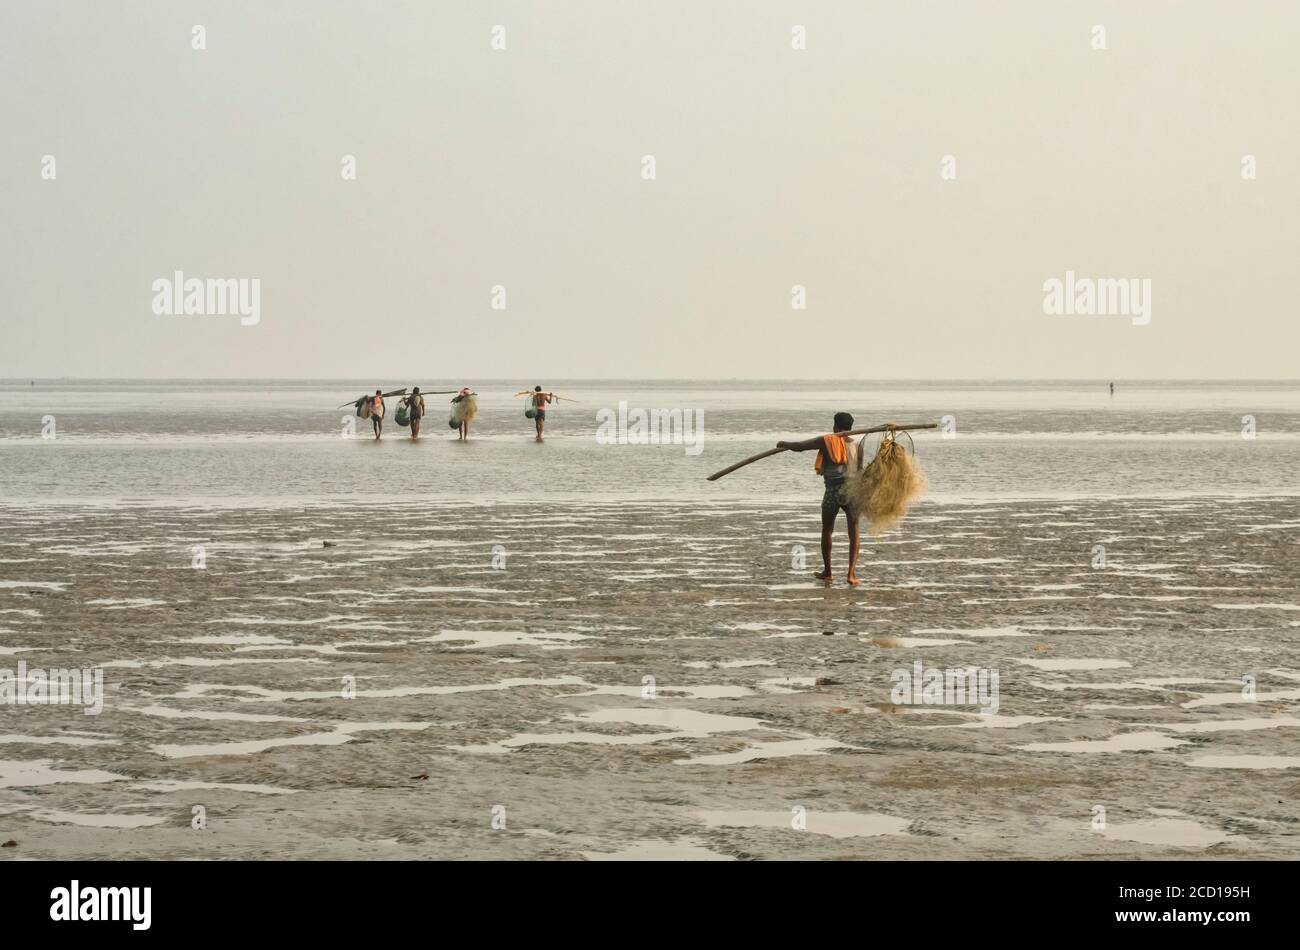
<point x="886" y="488"/>
<point x="465" y="410"/>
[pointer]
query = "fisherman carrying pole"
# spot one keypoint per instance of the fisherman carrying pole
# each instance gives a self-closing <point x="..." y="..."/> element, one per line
<point x="837" y="457"/>
<point x="879" y="492"/>
<point x="377" y="408"/>
<point x="464" y="407"/>
<point x="414" y="404"/>
<point x="539" y="401"/>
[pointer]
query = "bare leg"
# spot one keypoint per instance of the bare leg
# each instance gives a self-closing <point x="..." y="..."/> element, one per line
<point x="828" y="528"/>
<point x="854" y="544"/>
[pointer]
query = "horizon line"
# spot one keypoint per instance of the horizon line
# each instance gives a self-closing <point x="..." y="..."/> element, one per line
<point x="1103" y="380"/>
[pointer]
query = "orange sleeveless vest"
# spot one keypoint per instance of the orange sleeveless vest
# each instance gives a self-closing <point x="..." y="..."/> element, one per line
<point x="838" y="451"/>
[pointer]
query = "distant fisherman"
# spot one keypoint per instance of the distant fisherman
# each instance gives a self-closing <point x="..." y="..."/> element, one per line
<point x="377" y="412"/>
<point x="463" y="409"/>
<point x="540" y="399"/>
<point x="837" y="456"/>
<point x="414" y="404"/>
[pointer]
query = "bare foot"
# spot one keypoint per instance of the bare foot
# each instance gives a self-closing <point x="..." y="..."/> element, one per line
<point x="824" y="576"/>
<point x="853" y="580"/>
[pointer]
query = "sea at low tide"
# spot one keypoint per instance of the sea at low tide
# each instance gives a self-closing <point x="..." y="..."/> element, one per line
<point x="285" y="442"/>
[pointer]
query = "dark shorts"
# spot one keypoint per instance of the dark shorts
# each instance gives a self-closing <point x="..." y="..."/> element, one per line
<point x="834" y="501"/>
<point x="540" y="415"/>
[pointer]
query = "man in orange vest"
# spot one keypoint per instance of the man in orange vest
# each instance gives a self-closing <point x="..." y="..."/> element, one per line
<point x="837" y="456"/>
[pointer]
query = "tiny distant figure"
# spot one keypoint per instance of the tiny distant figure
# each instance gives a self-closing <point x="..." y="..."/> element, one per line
<point x="837" y="456"/>
<point x="414" y="404"/>
<point x="540" y="399"/>
<point x="464" y="406"/>
<point x="1112" y="389"/>
<point x="377" y="412"/>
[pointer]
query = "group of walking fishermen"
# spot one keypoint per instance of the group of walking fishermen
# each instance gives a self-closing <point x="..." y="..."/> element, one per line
<point x="463" y="409"/>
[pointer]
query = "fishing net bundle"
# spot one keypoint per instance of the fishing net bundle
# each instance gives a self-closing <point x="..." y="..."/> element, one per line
<point x="884" y="490"/>
<point x="463" y="410"/>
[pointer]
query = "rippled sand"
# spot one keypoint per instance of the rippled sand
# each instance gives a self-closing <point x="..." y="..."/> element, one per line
<point x="642" y="680"/>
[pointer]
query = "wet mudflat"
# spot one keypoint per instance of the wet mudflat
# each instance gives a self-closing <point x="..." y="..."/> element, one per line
<point x="649" y="680"/>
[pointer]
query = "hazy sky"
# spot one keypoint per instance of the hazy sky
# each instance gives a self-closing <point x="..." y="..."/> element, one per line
<point x="522" y="167"/>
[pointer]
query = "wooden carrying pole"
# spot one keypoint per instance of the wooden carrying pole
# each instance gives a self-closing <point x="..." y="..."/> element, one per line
<point x="762" y="455"/>
<point x="402" y="392"/>
<point x="360" y="399"/>
<point x="529" y="392"/>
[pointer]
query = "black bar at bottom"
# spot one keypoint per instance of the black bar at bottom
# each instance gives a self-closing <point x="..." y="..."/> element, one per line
<point x="1222" y="900"/>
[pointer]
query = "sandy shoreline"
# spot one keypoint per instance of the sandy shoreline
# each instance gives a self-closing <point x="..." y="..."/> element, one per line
<point x="518" y="691"/>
